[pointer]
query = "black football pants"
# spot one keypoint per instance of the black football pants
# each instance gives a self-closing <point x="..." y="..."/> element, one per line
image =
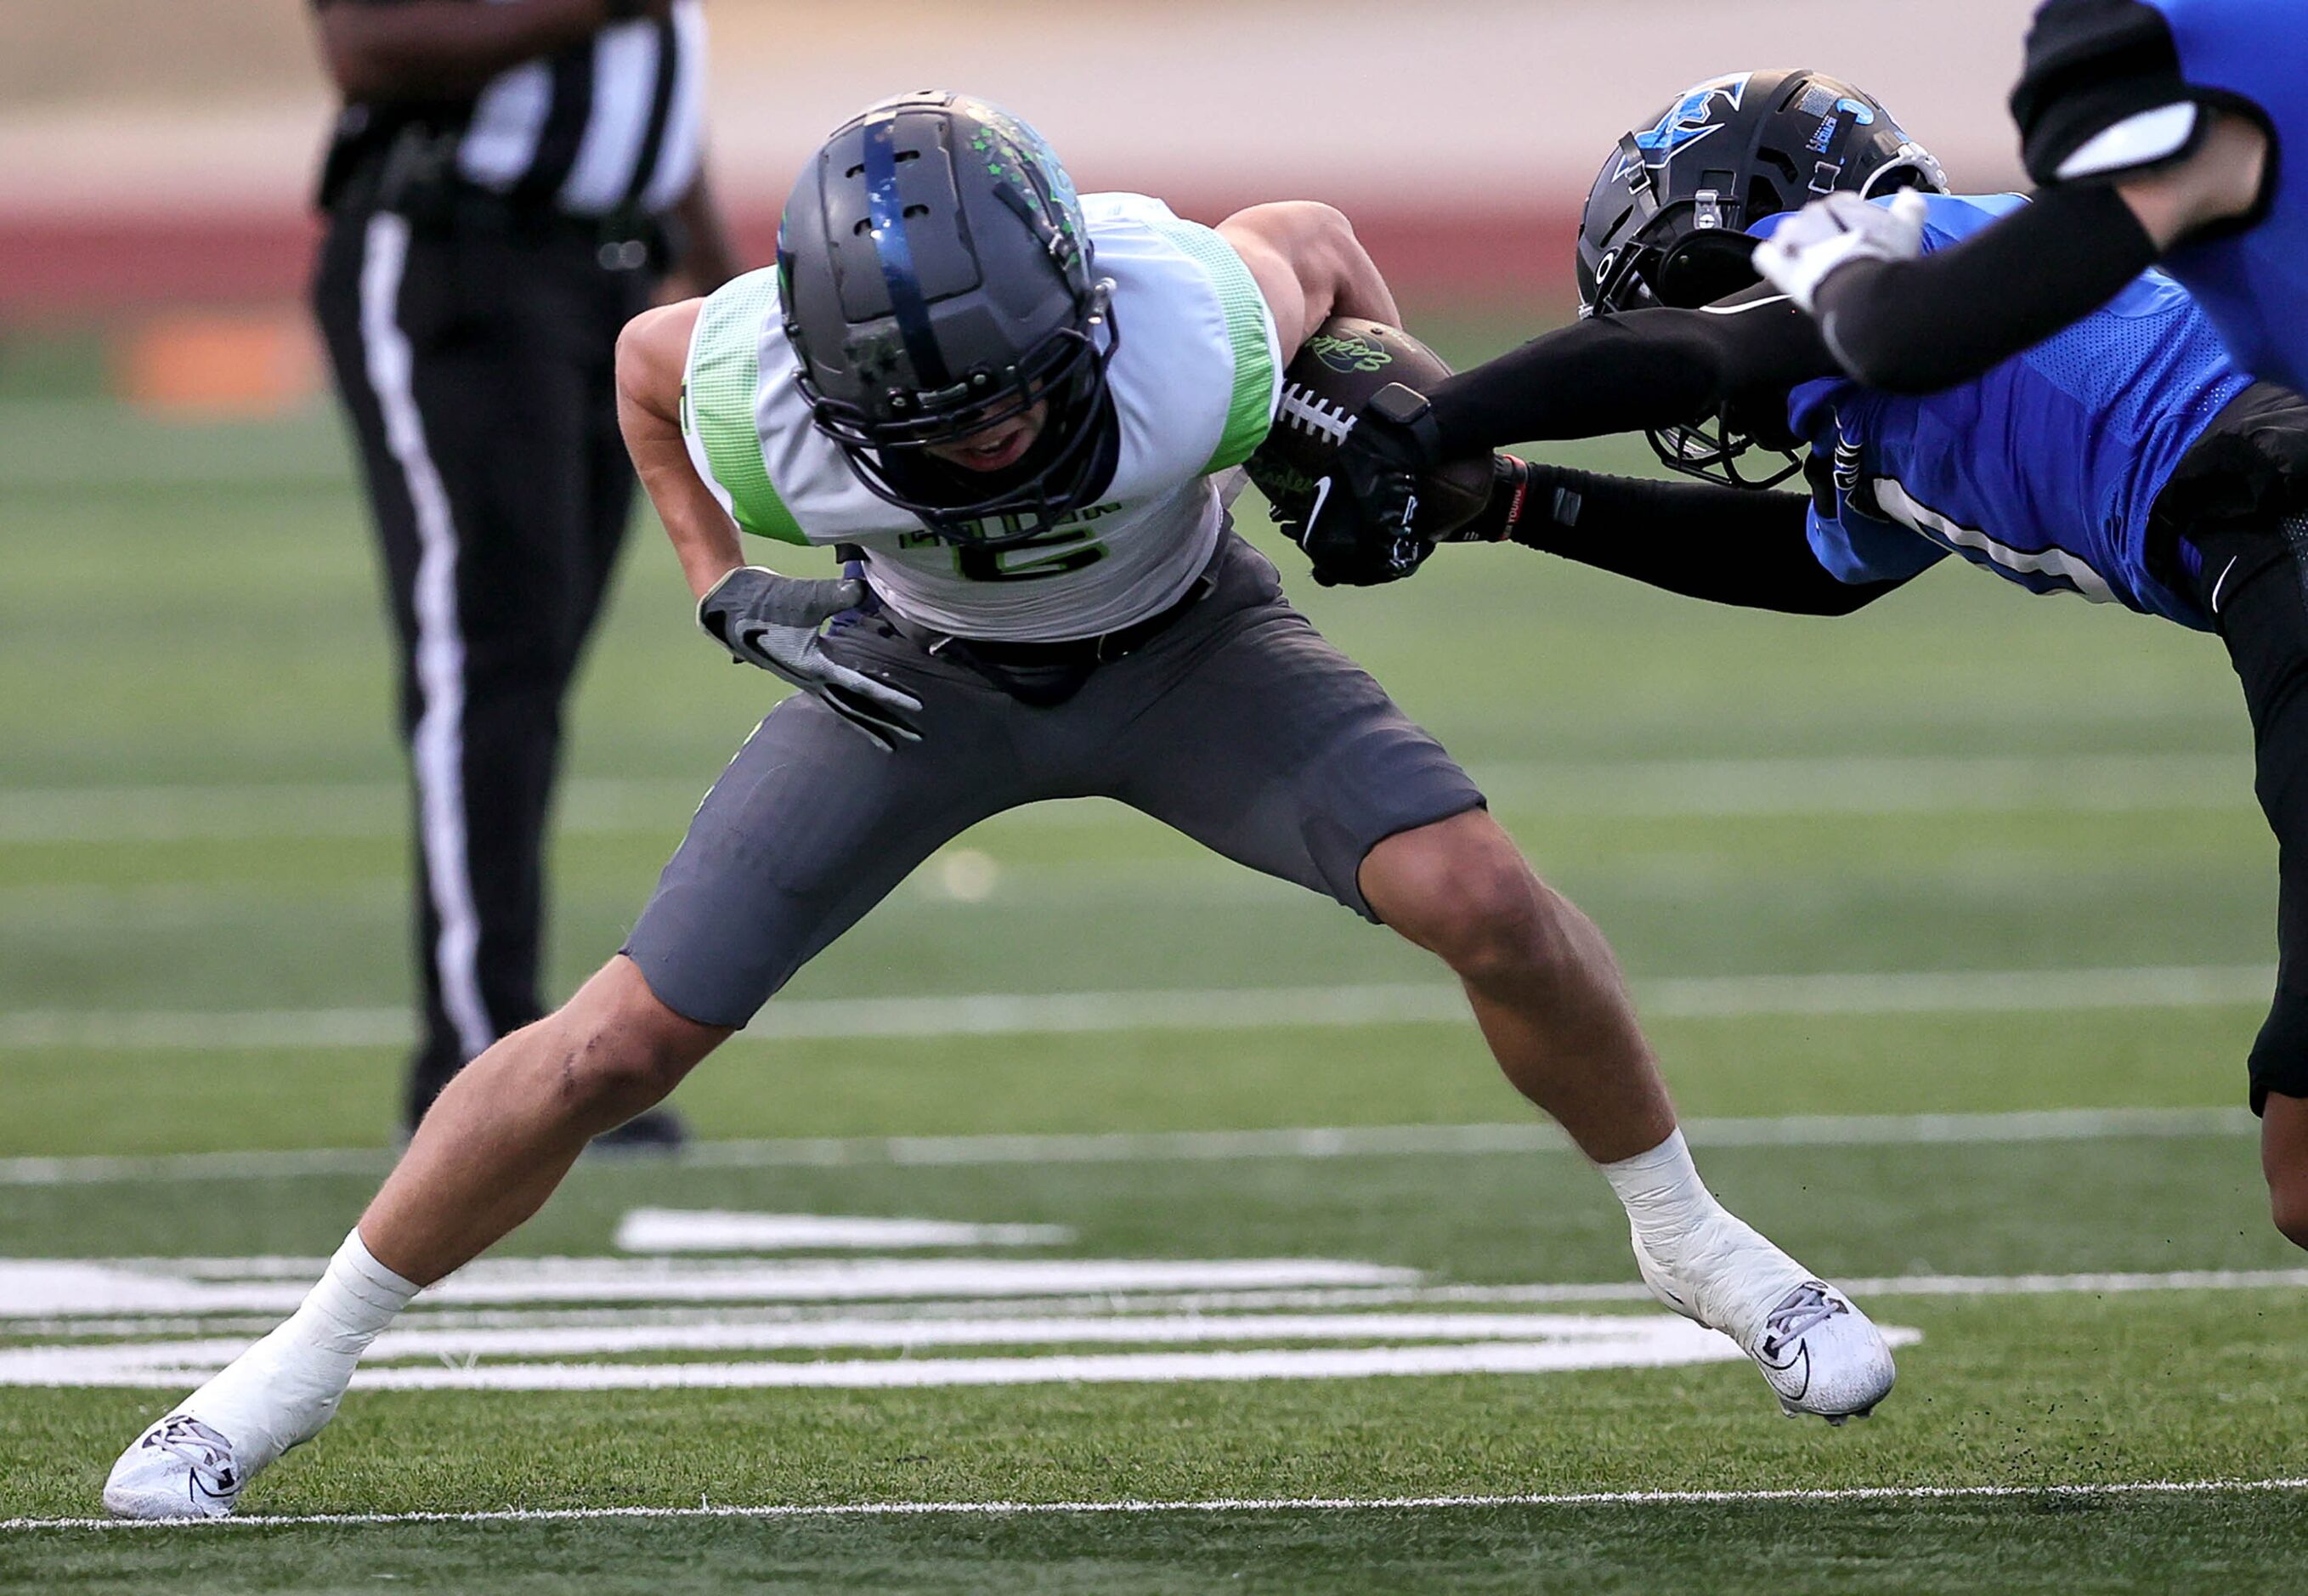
<point x="2255" y="580"/>
<point x="475" y="358"/>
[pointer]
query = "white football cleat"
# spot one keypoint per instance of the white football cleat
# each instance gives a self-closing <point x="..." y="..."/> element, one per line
<point x="194" y="1462"/>
<point x="180" y="1468"/>
<point x="1819" y="1353"/>
<point x="1823" y="1356"/>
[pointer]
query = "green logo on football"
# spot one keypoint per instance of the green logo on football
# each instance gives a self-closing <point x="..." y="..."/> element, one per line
<point x="1350" y="353"/>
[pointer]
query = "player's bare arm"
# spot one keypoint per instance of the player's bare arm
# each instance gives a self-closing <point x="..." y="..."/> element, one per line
<point x="2221" y="179"/>
<point x="652" y="353"/>
<point x="449" y="47"/>
<point x="764" y="619"/>
<point x="1309" y="265"/>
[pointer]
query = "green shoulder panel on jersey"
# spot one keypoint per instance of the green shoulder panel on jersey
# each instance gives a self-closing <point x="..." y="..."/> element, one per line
<point x="1250" y="413"/>
<point x="717" y="401"/>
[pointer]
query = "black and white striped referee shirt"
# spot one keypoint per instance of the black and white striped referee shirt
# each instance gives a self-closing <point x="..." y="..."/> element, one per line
<point x="614" y="124"/>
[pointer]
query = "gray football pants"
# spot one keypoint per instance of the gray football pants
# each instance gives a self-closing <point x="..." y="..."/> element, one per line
<point x="1238" y="724"/>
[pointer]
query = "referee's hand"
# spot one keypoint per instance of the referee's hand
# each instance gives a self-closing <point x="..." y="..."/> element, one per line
<point x="776" y="622"/>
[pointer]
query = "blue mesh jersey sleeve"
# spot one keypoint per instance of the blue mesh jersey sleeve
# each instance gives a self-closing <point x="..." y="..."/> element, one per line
<point x="2253" y="282"/>
<point x="2045" y="469"/>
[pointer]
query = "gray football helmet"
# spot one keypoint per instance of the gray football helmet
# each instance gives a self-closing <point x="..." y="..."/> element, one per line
<point x="938" y="280"/>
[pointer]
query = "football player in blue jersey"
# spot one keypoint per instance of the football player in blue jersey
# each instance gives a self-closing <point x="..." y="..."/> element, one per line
<point x="2128" y="459"/>
<point x="2158" y="131"/>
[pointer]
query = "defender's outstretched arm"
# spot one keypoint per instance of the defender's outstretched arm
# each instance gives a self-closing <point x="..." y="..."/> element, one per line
<point x="1625" y="373"/>
<point x="1725" y="545"/>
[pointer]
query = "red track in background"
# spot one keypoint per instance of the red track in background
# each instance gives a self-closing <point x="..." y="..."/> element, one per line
<point x="96" y="267"/>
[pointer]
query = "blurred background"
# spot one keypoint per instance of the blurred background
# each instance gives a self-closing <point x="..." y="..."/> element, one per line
<point x="155" y="228"/>
<point x="203" y="838"/>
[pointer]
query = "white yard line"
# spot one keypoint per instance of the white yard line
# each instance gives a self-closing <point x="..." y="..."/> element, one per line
<point x="1644" y="788"/>
<point x="1641" y="1498"/>
<point x="423" y="1341"/>
<point x="1225" y="1008"/>
<point x="1155" y="1303"/>
<point x="38" y="1288"/>
<point x="1857" y="1130"/>
<point x="1131" y="1305"/>
<point x="1575" y="1343"/>
<point x="721" y="1231"/>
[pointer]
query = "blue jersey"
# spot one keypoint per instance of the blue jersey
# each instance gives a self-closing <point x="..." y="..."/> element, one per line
<point x="2253" y="283"/>
<point x="2045" y="469"/>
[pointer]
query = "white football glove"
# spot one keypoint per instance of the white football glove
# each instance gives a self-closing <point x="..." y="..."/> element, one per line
<point x="775" y="622"/>
<point x="1829" y="232"/>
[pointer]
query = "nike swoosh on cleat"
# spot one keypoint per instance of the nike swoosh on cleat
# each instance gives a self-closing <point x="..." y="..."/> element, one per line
<point x="1800" y="1362"/>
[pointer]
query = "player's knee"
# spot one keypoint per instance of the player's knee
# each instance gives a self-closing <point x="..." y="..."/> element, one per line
<point x="617" y="1051"/>
<point x="1466" y="893"/>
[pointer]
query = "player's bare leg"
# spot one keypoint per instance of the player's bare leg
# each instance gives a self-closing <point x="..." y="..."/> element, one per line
<point x="1550" y="1000"/>
<point x="2284" y="1160"/>
<point x="492" y="1148"/>
<point x="507" y="1128"/>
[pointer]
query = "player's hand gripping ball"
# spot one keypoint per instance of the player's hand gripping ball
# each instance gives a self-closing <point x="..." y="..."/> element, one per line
<point x="1369" y="511"/>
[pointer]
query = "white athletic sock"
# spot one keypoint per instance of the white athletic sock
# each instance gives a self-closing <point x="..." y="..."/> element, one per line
<point x="355" y="1299"/>
<point x="283" y="1389"/>
<point x="1699" y="1258"/>
<point x="1663" y="1195"/>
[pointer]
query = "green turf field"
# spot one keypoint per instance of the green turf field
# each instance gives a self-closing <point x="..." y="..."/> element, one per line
<point x="1950" y="918"/>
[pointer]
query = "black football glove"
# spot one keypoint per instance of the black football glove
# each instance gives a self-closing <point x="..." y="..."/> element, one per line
<point x="1360" y="531"/>
<point x="1346" y="549"/>
<point x="776" y="622"/>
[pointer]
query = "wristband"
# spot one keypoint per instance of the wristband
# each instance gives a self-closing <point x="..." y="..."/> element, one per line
<point x="1509" y="469"/>
<point x="1399" y="405"/>
<point x="1511" y="490"/>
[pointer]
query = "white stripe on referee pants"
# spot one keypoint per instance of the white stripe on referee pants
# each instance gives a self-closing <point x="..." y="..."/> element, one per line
<point x="439" y="752"/>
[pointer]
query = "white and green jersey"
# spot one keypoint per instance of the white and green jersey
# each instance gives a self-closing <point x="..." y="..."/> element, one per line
<point x="1194" y="381"/>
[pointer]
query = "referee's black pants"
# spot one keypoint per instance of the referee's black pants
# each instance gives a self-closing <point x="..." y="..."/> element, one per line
<point x="475" y="357"/>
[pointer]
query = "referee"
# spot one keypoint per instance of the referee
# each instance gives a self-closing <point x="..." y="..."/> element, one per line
<point x="509" y="183"/>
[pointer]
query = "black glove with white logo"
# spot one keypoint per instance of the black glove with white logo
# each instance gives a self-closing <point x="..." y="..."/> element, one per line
<point x="778" y="623"/>
<point x="1357" y="532"/>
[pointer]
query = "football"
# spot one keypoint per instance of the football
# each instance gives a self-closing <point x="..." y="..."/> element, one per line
<point x="1336" y="372"/>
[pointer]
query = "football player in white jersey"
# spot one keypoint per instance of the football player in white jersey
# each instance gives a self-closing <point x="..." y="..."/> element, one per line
<point x="1011" y="407"/>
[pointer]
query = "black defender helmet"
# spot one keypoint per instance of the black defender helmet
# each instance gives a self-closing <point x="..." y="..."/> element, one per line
<point x="937" y="279"/>
<point x="1666" y="221"/>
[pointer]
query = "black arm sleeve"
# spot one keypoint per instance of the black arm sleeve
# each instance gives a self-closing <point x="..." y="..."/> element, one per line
<point x="1625" y="373"/>
<point x="1918" y="326"/>
<point x="1729" y="545"/>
